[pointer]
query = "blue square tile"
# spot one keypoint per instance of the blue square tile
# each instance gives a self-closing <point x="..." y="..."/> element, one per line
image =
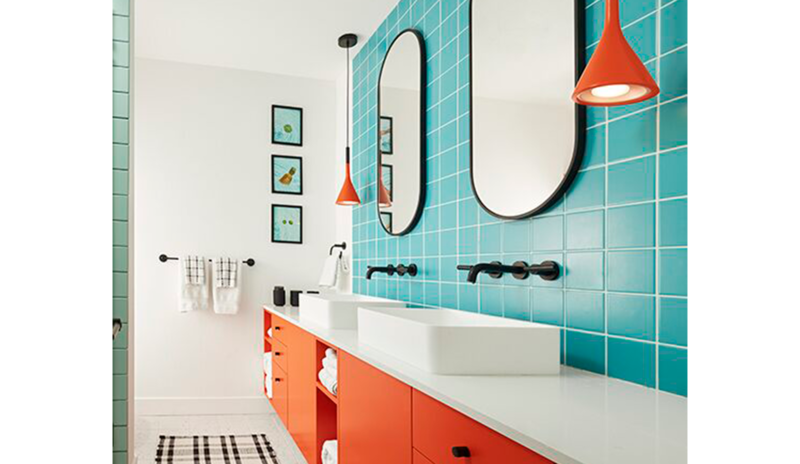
<point x="552" y="256"/>
<point x="449" y="296"/>
<point x="449" y="216"/>
<point x="642" y="38"/>
<point x="448" y="188"/>
<point x="595" y="153"/>
<point x="674" y="30"/>
<point x="491" y="238"/>
<point x="632" y="316"/>
<point x="595" y="115"/>
<point x="632" y="181"/>
<point x="586" y="351"/>
<point x="548" y="306"/>
<point x="430" y="269"/>
<point x="632" y="271"/>
<point x="674" y="74"/>
<point x="516" y="304"/>
<point x="634" y="135"/>
<point x="468" y="241"/>
<point x="632" y="361"/>
<point x="467" y="213"/>
<point x="432" y="294"/>
<point x="673" y="227"/>
<point x="631" y="11"/>
<point x="673" y="272"/>
<point x="448" y="271"/>
<point x="588" y="190"/>
<point x="584" y="271"/>
<point x="586" y="231"/>
<point x="548" y="233"/>
<point x="632" y="226"/>
<point x="491" y="300"/>
<point x="673" y="321"/>
<point x="516" y="236"/>
<point x="673" y="370"/>
<point x="674" y="124"/>
<point x="595" y="20"/>
<point x="465" y="186"/>
<point x="586" y="311"/>
<point x="673" y="173"/>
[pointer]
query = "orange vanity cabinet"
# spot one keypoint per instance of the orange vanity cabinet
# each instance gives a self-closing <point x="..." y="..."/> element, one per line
<point x="374" y="415"/>
<point x="438" y="429"/>
<point x="280" y="394"/>
<point x="420" y="459"/>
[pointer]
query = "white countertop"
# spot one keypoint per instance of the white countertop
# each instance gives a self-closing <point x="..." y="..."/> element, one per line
<point x="573" y="418"/>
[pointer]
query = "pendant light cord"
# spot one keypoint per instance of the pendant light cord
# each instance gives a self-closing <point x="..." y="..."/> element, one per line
<point x="347" y="105"/>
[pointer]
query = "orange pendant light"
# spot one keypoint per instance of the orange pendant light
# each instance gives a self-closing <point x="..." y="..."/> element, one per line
<point x="348" y="195"/>
<point x="615" y="75"/>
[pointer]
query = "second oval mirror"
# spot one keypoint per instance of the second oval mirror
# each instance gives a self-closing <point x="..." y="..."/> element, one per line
<point x="401" y="134"/>
<point x="527" y="134"/>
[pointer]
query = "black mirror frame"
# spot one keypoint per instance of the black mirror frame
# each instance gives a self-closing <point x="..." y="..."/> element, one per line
<point x="580" y="120"/>
<point x="423" y="156"/>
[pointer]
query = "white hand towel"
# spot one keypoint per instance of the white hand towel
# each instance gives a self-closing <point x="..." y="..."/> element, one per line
<point x="330" y="272"/>
<point x="193" y="284"/>
<point x="328" y="381"/>
<point x="330" y="364"/>
<point x="330" y="452"/>
<point x="227" y="286"/>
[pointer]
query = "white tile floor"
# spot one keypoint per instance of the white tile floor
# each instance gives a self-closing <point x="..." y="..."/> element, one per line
<point x="148" y="429"/>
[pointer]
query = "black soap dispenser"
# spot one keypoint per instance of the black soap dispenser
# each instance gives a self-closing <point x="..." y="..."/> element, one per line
<point x="279" y="296"/>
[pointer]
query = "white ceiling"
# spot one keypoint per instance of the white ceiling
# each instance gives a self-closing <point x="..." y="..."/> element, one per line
<point x="291" y="37"/>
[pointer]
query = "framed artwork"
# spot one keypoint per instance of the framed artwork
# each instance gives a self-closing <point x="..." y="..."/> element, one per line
<point x="287" y="125"/>
<point x="386" y="219"/>
<point x="386" y="132"/>
<point x="387" y="175"/>
<point x="287" y="174"/>
<point x="287" y="224"/>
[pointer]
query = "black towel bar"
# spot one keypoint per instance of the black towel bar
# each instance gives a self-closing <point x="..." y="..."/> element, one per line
<point x="342" y="245"/>
<point x="164" y="258"/>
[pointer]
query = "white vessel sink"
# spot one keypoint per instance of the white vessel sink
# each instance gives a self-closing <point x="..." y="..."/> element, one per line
<point x="444" y="341"/>
<point x="338" y="311"/>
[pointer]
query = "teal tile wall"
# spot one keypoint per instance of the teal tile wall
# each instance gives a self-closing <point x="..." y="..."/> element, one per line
<point x="120" y="154"/>
<point x="620" y="232"/>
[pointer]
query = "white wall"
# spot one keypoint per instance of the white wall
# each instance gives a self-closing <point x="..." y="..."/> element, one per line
<point x="203" y="187"/>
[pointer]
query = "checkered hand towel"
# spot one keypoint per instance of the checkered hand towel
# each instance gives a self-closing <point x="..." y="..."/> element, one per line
<point x="194" y="270"/>
<point x="226" y="272"/>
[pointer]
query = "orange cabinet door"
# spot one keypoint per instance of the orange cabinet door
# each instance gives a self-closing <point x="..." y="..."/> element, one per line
<point x="438" y="429"/>
<point x="280" y="383"/>
<point x="280" y="329"/>
<point x="374" y="415"/>
<point x="280" y="355"/>
<point x="303" y="392"/>
<point x="420" y="459"/>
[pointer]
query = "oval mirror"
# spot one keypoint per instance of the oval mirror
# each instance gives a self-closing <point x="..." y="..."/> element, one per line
<point x="401" y="134"/>
<point x="527" y="134"/>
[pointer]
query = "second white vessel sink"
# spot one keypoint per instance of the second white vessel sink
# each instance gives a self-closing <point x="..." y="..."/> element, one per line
<point x="445" y="341"/>
<point x="338" y="311"/>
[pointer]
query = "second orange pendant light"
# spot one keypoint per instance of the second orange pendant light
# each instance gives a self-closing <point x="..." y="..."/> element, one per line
<point x="615" y="75"/>
<point x="348" y="195"/>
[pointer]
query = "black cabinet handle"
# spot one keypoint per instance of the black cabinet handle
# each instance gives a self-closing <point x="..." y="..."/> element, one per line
<point x="277" y="379"/>
<point x="278" y="353"/>
<point x="277" y="327"/>
<point x="461" y="452"/>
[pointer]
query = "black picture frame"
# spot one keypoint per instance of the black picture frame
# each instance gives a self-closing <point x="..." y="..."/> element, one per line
<point x="272" y="182"/>
<point x="423" y="139"/>
<point x="302" y="130"/>
<point x="389" y="187"/>
<point x="391" y="135"/>
<point x="580" y="120"/>
<point x="272" y="224"/>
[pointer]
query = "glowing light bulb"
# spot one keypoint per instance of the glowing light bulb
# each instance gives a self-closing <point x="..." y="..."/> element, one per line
<point x="611" y="91"/>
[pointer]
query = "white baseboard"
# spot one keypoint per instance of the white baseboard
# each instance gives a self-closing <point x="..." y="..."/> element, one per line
<point x="202" y="406"/>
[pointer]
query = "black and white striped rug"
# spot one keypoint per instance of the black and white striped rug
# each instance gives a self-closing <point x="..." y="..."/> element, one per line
<point x="216" y="449"/>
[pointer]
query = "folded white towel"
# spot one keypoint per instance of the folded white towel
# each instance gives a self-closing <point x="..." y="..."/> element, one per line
<point x="330" y="452"/>
<point x="268" y="385"/>
<point x="330" y="364"/>
<point x="267" y="363"/>
<point x="226" y="286"/>
<point x="193" y="284"/>
<point x="269" y="333"/>
<point x="328" y="381"/>
<point x="330" y="352"/>
<point x="330" y="272"/>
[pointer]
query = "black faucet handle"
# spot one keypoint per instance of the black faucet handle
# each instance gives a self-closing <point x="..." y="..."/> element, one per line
<point x="411" y="269"/>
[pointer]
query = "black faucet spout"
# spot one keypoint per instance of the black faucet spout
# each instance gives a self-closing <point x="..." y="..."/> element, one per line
<point x="388" y="270"/>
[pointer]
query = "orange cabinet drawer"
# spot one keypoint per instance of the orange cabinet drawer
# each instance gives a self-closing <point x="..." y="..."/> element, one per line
<point x="281" y="330"/>
<point x="280" y="355"/>
<point x="420" y="459"/>
<point x="437" y="429"/>
<point x="280" y="394"/>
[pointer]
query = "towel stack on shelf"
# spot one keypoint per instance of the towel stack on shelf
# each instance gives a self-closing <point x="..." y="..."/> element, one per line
<point x="268" y="374"/>
<point x="328" y="375"/>
<point x="330" y="452"/>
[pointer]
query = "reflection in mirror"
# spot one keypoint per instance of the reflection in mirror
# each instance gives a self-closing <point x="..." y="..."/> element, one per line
<point x="527" y="135"/>
<point x="401" y="134"/>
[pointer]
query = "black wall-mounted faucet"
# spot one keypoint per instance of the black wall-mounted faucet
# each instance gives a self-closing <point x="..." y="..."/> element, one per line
<point x="547" y="270"/>
<point x="390" y="269"/>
